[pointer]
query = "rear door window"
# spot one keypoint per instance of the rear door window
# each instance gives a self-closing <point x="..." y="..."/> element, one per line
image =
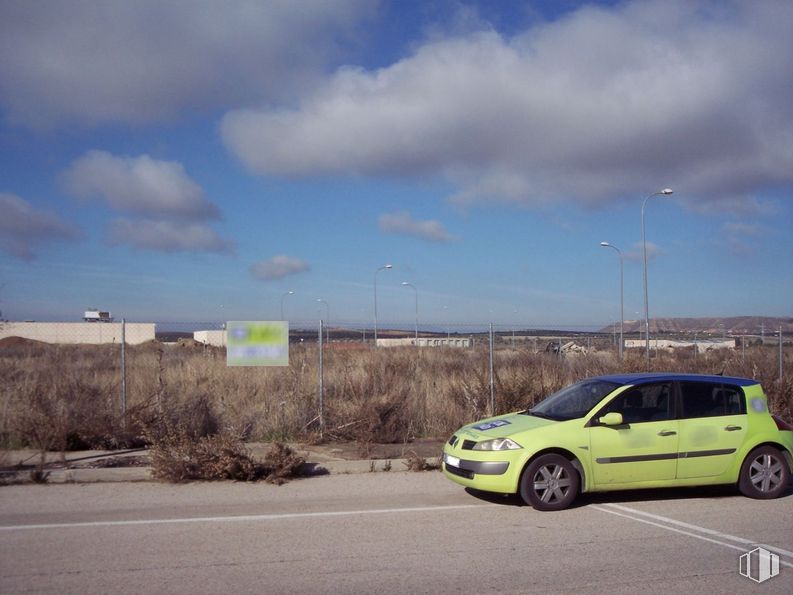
<point x="709" y="399"/>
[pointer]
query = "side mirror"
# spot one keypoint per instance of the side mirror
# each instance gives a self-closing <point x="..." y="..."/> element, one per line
<point x="611" y="419"/>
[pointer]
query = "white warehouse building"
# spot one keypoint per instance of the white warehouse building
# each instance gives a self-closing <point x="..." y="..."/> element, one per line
<point x="426" y="342"/>
<point x="215" y="338"/>
<point x="91" y="333"/>
<point x="702" y="345"/>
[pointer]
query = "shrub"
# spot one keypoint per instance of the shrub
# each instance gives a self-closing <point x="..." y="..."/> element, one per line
<point x="178" y="454"/>
<point x="415" y="462"/>
<point x="282" y="463"/>
<point x="59" y="397"/>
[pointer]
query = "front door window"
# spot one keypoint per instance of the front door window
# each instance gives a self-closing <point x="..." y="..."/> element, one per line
<point x="644" y="447"/>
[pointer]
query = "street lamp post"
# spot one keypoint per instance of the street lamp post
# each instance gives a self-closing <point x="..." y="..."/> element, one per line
<point x="622" y="293"/>
<point x="327" y="320"/>
<point x="382" y="268"/>
<point x="282" y="302"/>
<point x="416" y="291"/>
<point x="664" y="192"/>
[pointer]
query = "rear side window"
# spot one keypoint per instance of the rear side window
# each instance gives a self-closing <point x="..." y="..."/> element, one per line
<point x="707" y="399"/>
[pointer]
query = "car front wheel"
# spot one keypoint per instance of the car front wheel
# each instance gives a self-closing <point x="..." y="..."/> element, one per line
<point x="550" y="482"/>
<point x="764" y="474"/>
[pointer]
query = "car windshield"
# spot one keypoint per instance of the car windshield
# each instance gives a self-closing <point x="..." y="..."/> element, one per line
<point x="573" y="401"/>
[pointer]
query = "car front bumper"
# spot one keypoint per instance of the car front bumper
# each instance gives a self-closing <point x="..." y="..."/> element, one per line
<point x="476" y="467"/>
<point x="489" y="476"/>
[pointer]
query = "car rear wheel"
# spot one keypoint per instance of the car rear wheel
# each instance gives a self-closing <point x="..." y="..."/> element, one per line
<point x="764" y="474"/>
<point x="550" y="482"/>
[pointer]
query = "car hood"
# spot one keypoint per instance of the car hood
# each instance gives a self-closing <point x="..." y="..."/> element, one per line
<point x="503" y="426"/>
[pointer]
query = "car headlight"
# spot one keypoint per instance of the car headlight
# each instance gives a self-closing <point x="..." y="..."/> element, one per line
<point x="497" y="444"/>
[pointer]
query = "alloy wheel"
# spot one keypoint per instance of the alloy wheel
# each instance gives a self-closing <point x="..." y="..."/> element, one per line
<point x="766" y="472"/>
<point x="552" y="483"/>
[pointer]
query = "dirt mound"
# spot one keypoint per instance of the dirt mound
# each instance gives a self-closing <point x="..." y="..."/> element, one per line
<point x="189" y="344"/>
<point x="20" y="342"/>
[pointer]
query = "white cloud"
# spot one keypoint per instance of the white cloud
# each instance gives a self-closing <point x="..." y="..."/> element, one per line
<point x="171" y="204"/>
<point x="139" y="185"/>
<point x="119" y="61"/>
<point x="739" y="206"/>
<point x="743" y="228"/>
<point x="403" y="224"/>
<point x="166" y="236"/>
<point x="604" y="104"/>
<point x="740" y="236"/>
<point x="24" y="228"/>
<point x="278" y="267"/>
<point x="636" y="253"/>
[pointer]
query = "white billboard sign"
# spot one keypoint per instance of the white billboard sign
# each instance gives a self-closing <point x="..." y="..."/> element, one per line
<point x="257" y="343"/>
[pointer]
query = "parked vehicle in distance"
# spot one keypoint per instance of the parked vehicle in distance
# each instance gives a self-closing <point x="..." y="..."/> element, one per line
<point x="626" y="432"/>
<point x="95" y="315"/>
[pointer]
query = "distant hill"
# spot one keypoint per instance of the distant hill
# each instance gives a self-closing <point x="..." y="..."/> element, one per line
<point x="748" y="325"/>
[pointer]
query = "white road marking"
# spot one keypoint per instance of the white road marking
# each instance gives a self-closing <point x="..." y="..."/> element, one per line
<point x="246" y="518"/>
<point x="667" y="524"/>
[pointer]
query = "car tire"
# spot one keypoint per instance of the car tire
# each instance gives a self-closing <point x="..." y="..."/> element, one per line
<point x="764" y="474"/>
<point x="549" y="482"/>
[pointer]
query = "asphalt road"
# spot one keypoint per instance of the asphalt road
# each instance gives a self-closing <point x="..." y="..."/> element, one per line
<point x="379" y="533"/>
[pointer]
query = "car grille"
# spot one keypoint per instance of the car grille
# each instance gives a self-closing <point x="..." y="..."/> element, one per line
<point x="468" y="444"/>
<point x="461" y="472"/>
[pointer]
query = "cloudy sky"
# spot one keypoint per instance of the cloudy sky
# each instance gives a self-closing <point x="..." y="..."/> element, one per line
<point x="197" y="160"/>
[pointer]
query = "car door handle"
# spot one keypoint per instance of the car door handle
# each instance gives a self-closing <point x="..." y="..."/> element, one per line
<point x="733" y="428"/>
<point x="667" y="433"/>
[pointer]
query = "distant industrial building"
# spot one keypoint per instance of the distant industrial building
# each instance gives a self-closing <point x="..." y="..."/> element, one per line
<point x="79" y="332"/>
<point x="426" y="342"/>
<point x="214" y="338"/>
<point x="670" y="344"/>
<point x="97" y="316"/>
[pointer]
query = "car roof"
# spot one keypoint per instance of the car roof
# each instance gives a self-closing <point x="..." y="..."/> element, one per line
<point x="644" y="378"/>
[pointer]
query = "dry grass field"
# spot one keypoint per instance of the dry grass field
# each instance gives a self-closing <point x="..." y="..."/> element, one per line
<point x="59" y="397"/>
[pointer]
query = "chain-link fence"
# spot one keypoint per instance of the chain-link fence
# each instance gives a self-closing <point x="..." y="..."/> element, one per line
<point x="99" y="384"/>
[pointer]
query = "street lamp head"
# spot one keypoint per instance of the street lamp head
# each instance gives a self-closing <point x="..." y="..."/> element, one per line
<point x="388" y="266"/>
<point x="290" y="293"/>
<point x="667" y="191"/>
<point x="405" y="283"/>
<point x="605" y="244"/>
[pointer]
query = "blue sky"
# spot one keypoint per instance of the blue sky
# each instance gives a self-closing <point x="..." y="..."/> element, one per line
<point x="194" y="161"/>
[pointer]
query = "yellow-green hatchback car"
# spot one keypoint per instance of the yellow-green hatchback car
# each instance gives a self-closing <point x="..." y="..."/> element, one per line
<point x="626" y="432"/>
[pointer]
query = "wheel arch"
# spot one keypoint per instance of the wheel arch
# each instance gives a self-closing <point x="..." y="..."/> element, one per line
<point x="767" y="483"/>
<point x="786" y="454"/>
<point x="582" y="484"/>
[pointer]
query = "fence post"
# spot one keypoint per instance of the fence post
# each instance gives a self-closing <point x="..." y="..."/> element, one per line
<point x="123" y="373"/>
<point x="321" y="384"/>
<point x="492" y="378"/>
<point x="696" y="348"/>
<point x="781" y="358"/>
